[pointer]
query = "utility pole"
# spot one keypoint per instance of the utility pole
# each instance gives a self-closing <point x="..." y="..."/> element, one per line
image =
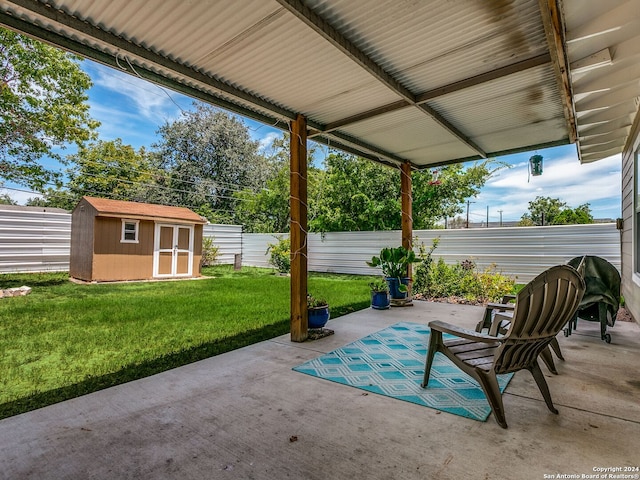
<point x="500" y="212"/>
<point x="487" y="216"/>
<point x="468" y="202"/>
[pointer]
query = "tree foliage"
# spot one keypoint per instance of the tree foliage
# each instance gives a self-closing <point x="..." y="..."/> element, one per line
<point x="43" y="107"/>
<point x="54" y="197"/>
<point x="267" y="210"/>
<point x="553" y="211"/>
<point x="356" y="194"/>
<point x="111" y="169"/>
<point x="208" y="156"/>
<point x="5" y="199"/>
<point x="573" y="216"/>
<point x="441" y="194"/>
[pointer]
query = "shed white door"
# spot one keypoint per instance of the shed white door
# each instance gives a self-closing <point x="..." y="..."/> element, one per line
<point x="173" y="250"/>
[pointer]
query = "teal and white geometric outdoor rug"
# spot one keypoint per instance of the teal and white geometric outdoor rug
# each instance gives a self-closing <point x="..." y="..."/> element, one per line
<point x="391" y="362"/>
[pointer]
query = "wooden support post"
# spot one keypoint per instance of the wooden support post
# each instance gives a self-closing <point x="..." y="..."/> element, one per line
<point x="407" y="200"/>
<point x="298" y="229"/>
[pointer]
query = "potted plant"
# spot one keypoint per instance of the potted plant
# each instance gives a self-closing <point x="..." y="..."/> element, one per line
<point x="318" y="311"/>
<point x="380" y="299"/>
<point x="394" y="262"/>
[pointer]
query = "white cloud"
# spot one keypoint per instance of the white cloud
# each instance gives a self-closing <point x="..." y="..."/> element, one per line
<point x="510" y="190"/>
<point x="151" y="101"/>
<point x="266" y="141"/>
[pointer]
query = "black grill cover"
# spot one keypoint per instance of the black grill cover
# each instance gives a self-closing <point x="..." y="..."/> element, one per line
<point x="602" y="285"/>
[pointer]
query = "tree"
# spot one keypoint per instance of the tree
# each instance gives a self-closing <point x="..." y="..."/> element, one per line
<point x="267" y="209"/>
<point x="5" y="199"/>
<point x="356" y="194"/>
<point x="359" y="194"/>
<point x="553" y="211"/>
<point x="54" y="198"/>
<point x="441" y="194"/>
<point x="43" y="107"/>
<point x="543" y="211"/>
<point x="208" y="155"/>
<point x="113" y="170"/>
<point x="573" y="216"/>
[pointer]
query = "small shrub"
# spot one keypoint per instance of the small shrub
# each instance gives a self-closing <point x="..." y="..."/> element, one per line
<point x="314" y="302"/>
<point x="439" y="280"/>
<point x="210" y="252"/>
<point x="280" y="255"/>
<point x="421" y="272"/>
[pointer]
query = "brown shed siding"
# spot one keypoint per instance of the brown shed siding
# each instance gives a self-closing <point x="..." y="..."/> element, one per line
<point x="114" y="260"/>
<point x="630" y="290"/>
<point x="109" y="233"/>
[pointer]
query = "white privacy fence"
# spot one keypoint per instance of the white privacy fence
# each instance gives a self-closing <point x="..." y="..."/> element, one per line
<point x="522" y="252"/>
<point x="228" y="238"/>
<point x="35" y="240"/>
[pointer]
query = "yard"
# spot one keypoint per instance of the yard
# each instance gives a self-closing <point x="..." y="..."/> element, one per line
<point x="65" y="340"/>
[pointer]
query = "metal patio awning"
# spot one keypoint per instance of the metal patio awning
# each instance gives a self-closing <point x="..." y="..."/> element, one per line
<point x="425" y="82"/>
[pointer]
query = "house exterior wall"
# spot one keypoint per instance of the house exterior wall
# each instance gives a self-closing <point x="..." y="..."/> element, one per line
<point x="82" y="234"/>
<point x="630" y="279"/>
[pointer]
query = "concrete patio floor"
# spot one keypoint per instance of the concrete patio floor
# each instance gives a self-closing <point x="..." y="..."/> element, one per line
<point x="247" y="415"/>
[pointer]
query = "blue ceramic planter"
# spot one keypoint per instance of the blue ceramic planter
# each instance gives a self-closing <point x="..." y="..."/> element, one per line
<point x="380" y="300"/>
<point x="318" y="317"/>
<point x="393" y="286"/>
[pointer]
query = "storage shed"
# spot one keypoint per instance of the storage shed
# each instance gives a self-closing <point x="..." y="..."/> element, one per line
<point x="116" y="240"/>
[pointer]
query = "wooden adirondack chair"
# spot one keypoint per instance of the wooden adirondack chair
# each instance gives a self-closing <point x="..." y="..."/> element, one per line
<point x="497" y="319"/>
<point x="542" y="309"/>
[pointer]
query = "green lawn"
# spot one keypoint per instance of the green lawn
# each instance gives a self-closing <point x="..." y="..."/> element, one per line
<point x="65" y="340"/>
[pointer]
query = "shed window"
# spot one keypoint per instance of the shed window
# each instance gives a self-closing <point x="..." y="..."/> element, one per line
<point x="130" y="230"/>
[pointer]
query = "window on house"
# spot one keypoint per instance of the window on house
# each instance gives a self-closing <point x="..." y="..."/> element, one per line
<point x="130" y="231"/>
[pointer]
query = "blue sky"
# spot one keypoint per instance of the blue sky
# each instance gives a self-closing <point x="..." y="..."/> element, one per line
<point x="132" y="109"/>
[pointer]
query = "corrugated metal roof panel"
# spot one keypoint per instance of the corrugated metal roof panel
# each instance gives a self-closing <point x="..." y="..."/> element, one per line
<point x="513" y="106"/>
<point x="413" y="134"/>
<point x="485" y="35"/>
<point x="339" y="61"/>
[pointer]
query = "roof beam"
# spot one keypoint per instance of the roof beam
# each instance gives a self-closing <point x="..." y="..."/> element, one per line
<point x="335" y="38"/>
<point x="554" y="30"/>
<point x="516" y="67"/>
<point x="140" y="71"/>
<point x="507" y="70"/>
<point x="140" y="56"/>
<point x="338" y="41"/>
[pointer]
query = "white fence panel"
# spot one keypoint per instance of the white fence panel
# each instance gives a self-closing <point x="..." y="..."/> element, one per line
<point x="254" y="247"/>
<point x="228" y="238"/>
<point x="34" y="240"/>
<point x="522" y="252"/>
